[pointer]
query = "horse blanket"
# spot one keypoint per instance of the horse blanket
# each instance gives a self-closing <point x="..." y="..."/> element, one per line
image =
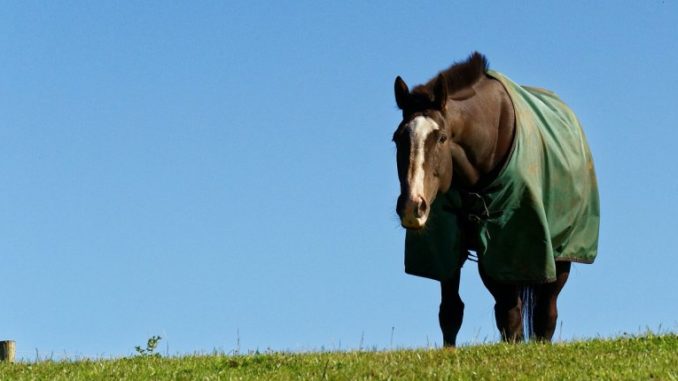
<point x="543" y="206"/>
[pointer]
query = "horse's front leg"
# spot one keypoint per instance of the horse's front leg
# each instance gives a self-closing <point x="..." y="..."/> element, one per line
<point x="451" y="310"/>
<point x="507" y="307"/>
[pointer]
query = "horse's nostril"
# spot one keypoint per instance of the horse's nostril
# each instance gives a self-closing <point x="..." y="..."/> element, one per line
<point x="421" y="207"/>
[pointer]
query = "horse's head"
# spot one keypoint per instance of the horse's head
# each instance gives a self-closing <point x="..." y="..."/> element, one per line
<point x="423" y="150"/>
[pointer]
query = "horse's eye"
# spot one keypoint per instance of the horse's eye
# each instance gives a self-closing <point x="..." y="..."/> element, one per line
<point x="442" y="138"/>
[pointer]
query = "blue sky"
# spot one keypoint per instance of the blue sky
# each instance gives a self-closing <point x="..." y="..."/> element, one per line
<point x="221" y="173"/>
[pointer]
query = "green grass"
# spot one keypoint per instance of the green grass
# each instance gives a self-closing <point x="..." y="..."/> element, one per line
<point x="629" y="358"/>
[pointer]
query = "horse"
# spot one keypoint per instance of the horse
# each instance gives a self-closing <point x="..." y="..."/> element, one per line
<point x="464" y="182"/>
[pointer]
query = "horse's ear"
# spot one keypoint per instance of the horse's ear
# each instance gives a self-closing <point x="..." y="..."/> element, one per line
<point x="440" y="93"/>
<point x="402" y="93"/>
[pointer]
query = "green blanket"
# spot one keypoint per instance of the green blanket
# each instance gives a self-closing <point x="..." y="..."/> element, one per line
<point x="543" y="206"/>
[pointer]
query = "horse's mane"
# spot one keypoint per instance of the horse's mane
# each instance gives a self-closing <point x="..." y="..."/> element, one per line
<point x="458" y="76"/>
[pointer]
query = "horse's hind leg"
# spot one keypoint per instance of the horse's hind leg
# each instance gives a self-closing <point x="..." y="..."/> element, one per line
<point x="546" y="304"/>
<point x="451" y="310"/>
<point x="507" y="307"/>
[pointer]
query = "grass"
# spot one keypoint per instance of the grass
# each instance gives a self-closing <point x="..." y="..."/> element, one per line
<point x="646" y="357"/>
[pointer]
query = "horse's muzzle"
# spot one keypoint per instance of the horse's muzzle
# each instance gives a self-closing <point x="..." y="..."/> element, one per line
<point x="413" y="211"/>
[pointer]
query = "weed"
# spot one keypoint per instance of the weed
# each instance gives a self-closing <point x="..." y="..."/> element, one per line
<point x="151" y="345"/>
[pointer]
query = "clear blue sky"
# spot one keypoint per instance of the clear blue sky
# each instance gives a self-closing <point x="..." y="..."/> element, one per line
<point x="221" y="173"/>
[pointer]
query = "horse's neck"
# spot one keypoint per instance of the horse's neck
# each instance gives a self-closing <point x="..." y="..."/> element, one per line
<point x="485" y="137"/>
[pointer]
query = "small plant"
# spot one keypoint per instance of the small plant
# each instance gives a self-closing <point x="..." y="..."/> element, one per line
<point x="151" y="345"/>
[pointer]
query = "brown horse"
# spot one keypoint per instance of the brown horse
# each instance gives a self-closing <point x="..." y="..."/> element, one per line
<point x="457" y="133"/>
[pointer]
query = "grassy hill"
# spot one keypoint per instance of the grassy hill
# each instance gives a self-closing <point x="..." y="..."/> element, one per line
<point x="629" y="358"/>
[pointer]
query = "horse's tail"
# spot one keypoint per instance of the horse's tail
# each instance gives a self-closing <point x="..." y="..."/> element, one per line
<point x="528" y="297"/>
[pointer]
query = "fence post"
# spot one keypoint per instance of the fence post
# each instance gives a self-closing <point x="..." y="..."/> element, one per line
<point x="7" y="350"/>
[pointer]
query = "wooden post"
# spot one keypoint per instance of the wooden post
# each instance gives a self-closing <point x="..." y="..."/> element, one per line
<point x="7" y="350"/>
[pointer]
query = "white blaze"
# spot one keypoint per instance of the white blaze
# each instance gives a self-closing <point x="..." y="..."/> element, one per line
<point x="420" y="128"/>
